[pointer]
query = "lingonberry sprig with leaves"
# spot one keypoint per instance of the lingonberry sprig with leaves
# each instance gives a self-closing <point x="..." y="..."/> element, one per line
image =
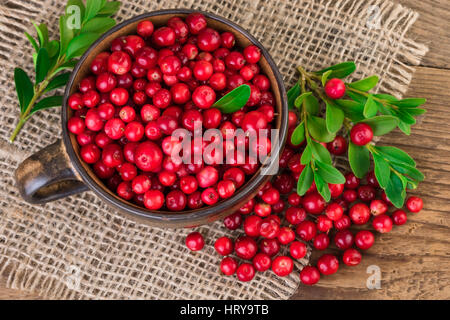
<point x="351" y="108"/>
<point x="79" y="27"/>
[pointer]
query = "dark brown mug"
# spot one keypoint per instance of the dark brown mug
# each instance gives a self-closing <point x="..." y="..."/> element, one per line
<point x="57" y="171"/>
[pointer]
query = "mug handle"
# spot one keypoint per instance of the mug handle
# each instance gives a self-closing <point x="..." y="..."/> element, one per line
<point x="48" y="175"/>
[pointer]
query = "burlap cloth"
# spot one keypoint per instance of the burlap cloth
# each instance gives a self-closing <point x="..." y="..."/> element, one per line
<point x="80" y="248"/>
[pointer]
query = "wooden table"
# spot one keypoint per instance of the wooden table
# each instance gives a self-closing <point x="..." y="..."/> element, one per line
<point x="414" y="259"/>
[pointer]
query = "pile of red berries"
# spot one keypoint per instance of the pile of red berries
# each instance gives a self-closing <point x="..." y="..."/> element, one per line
<point x="152" y="83"/>
<point x="279" y="217"/>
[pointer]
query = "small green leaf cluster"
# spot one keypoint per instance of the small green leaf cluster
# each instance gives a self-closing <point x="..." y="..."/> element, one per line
<point x="395" y="170"/>
<point x="78" y="30"/>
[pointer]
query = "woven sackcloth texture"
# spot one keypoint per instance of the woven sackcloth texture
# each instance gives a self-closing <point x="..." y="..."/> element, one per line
<point x="80" y="248"/>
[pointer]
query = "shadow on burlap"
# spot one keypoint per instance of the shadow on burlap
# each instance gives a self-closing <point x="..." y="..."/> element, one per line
<point x="80" y="248"/>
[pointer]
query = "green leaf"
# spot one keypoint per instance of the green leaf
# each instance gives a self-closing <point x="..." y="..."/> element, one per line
<point x="405" y="117"/>
<point x="298" y="136"/>
<point x="340" y="70"/>
<point x="78" y="45"/>
<point x="42" y="32"/>
<point x="42" y="65"/>
<point x="234" y="100"/>
<point x="24" y="88"/>
<point x="411" y="171"/>
<point x="320" y="152"/>
<point x="409" y="103"/>
<point x="98" y="25"/>
<point x="405" y="128"/>
<point x="305" y="180"/>
<point x="110" y="8"/>
<point x="325" y="77"/>
<point x="382" y="125"/>
<point x="68" y="65"/>
<point x="357" y="97"/>
<point x="329" y="173"/>
<point x="395" y="154"/>
<point x="395" y="190"/>
<point x="53" y="48"/>
<point x="322" y="187"/>
<point x="32" y="41"/>
<point x="311" y="105"/>
<point x="352" y="109"/>
<point x="79" y="4"/>
<point x="318" y="129"/>
<point x="58" y="82"/>
<point x="370" y="108"/>
<point x="364" y="84"/>
<point x="416" y="111"/>
<point x="359" y="159"/>
<point x="334" y="118"/>
<point x="49" y="102"/>
<point x="306" y="155"/>
<point x="65" y="34"/>
<point x="382" y="170"/>
<point x="384" y="96"/>
<point x="298" y="102"/>
<point x="292" y="94"/>
<point x="92" y="8"/>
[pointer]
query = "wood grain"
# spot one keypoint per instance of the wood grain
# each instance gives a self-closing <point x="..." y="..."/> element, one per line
<point x="414" y="259"/>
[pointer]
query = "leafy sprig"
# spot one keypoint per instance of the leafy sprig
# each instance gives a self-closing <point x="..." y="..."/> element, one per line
<point x="394" y="169"/>
<point x="79" y="27"/>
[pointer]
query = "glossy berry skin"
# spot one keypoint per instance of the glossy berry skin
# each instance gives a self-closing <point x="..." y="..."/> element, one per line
<point x="90" y="153"/>
<point x="306" y="230"/>
<point x="263" y="209"/>
<point x="224" y="246"/>
<point x="343" y="223"/>
<point x="324" y="224"/>
<point x="414" y="204"/>
<point x="141" y="184"/>
<point x="321" y="241"/>
<point x="336" y="189"/>
<point x="361" y="134"/>
<point x="382" y="223"/>
<point x="314" y="203"/>
<point x="196" y="22"/>
<point x="252" y="54"/>
<point x="282" y="266"/>
<point x="364" y="239"/>
<point x="399" y="217"/>
<point x="145" y="28"/>
<point x="269" y="228"/>
<point x="226" y="189"/>
<point x="349" y="196"/>
<point x="269" y="246"/>
<point x="148" y="156"/>
<point x="351" y="257"/>
<point x="245" y="248"/>
<point x="153" y="199"/>
<point x="262" y="262"/>
<point x="208" y="40"/>
<point x="204" y="97"/>
<point x="252" y="225"/>
<point x="334" y="211"/>
<point x="298" y="250"/>
<point x="351" y="181"/>
<point x="335" y="88"/>
<point x="286" y="235"/>
<point x="360" y="214"/>
<point x="228" y="266"/>
<point x="245" y="272"/>
<point x="76" y="125"/>
<point x="338" y="146"/>
<point x="176" y="200"/>
<point x="233" y="221"/>
<point x="164" y="37"/>
<point x="366" y="193"/>
<point x="119" y="63"/>
<point x="328" y="264"/>
<point x="112" y="155"/>
<point x="195" y="241"/>
<point x="309" y="275"/>
<point x="378" y="207"/>
<point x="295" y="215"/>
<point x="271" y="196"/>
<point x="344" y="239"/>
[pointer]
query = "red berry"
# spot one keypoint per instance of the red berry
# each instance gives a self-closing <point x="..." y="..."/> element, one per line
<point x="224" y="246"/>
<point x="295" y="215"/>
<point x="271" y="196"/>
<point x="112" y="155"/>
<point x="306" y="230"/>
<point x="359" y="213"/>
<point x="245" y="272"/>
<point x="286" y="235"/>
<point x="309" y="275"/>
<point x="76" y="125"/>
<point x="208" y="40"/>
<point x="294" y="199"/>
<point x="298" y="250"/>
<point x="335" y="88"/>
<point x="245" y="248"/>
<point x="364" y="239"/>
<point x="204" y="97"/>
<point x="361" y="134"/>
<point x="195" y="241"/>
<point x="119" y="63"/>
<point x="378" y="207"/>
<point x="210" y="196"/>
<point x="414" y="204"/>
<point x="145" y="28"/>
<point x="269" y="246"/>
<point x="252" y="226"/>
<point x="351" y="181"/>
<point x="269" y="228"/>
<point x="262" y="262"/>
<point x="141" y="184"/>
<point x="282" y="266"/>
<point x="328" y="264"/>
<point x="203" y="70"/>
<point x="232" y="222"/>
<point x="314" y="203"/>
<point x="366" y="193"/>
<point x="336" y="189"/>
<point x="350" y="196"/>
<point x="196" y="22"/>
<point x="228" y="266"/>
<point x="235" y="60"/>
<point x="344" y="239"/>
<point x="90" y="153"/>
<point x="153" y="199"/>
<point x="227" y="39"/>
<point x="252" y="54"/>
<point x="119" y="96"/>
<point x="148" y="156"/>
<point x="324" y="224"/>
<point x="338" y="146"/>
<point x="334" y="211"/>
<point x="263" y="209"/>
<point x="382" y="223"/>
<point x="343" y="223"/>
<point x="321" y="241"/>
<point x="399" y="217"/>
<point x="164" y="37"/>
<point x="352" y="257"/>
